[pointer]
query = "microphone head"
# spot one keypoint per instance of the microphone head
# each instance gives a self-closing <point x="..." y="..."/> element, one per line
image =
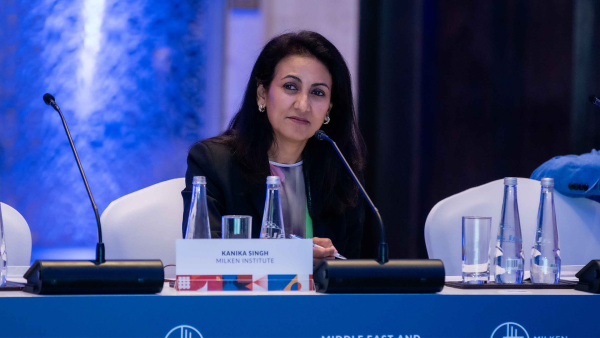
<point x="320" y="135"/>
<point x="593" y="99"/>
<point x="48" y="98"/>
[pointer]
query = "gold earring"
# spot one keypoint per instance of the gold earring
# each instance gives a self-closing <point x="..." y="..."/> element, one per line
<point x="261" y="108"/>
<point x="327" y="120"/>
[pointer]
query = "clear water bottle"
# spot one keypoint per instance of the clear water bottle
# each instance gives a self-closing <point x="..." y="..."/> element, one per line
<point x="545" y="254"/>
<point x="508" y="261"/>
<point x="272" y="222"/>
<point x="2" y="253"/>
<point x="198" y="225"/>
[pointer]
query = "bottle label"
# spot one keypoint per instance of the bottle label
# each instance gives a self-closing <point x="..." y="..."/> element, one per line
<point x="509" y="239"/>
<point x="271" y="230"/>
<point x="543" y="240"/>
<point x="514" y="265"/>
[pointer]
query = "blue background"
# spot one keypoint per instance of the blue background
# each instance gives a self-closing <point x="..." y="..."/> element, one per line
<point x="132" y="78"/>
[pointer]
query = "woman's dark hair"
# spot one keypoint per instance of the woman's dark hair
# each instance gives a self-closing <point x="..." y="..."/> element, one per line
<point x="250" y="134"/>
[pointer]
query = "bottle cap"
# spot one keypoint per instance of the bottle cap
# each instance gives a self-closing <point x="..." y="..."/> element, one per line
<point x="510" y="181"/>
<point x="199" y="180"/>
<point x="547" y="182"/>
<point x="273" y="180"/>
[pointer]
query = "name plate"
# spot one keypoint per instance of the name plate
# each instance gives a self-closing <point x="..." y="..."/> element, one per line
<point x="244" y="265"/>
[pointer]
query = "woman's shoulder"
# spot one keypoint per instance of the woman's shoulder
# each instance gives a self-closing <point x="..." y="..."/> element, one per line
<point x="214" y="147"/>
<point x="214" y="152"/>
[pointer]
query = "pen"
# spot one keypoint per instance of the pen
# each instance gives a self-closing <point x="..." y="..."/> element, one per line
<point x="337" y="255"/>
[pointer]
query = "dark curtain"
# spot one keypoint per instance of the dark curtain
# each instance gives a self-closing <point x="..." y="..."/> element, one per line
<point x="455" y="94"/>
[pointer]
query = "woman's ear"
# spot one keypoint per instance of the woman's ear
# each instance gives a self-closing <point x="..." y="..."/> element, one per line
<point x="329" y="110"/>
<point x="261" y="96"/>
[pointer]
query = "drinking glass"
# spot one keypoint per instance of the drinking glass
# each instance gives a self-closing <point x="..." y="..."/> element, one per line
<point x="236" y="226"/>
<point x="475" y="249"/>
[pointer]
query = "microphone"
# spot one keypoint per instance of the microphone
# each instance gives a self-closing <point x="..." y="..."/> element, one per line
<point x="382" y="253"/>
<point x="92" y="277"/>
<point x="49" y="100"/>
<point x="382" y="275"/>
<point x="594" y="100"/>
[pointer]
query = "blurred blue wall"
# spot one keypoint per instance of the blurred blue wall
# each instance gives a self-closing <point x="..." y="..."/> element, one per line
<point x="138" y="82"/>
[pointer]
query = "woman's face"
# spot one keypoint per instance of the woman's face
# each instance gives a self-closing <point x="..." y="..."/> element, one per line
<point x="298" y="99"/>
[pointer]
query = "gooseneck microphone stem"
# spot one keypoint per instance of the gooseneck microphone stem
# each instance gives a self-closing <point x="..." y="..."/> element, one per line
<point x="59" y="277"/>
<point x="382" y="253"/>
<point x="381" y="275"/>
<point x="100" y="254"/>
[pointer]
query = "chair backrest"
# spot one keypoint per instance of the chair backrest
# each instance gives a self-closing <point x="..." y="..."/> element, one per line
<point x="17" y="237"/>
<point x="145" y="224"/>
<point x="578" y="222"/>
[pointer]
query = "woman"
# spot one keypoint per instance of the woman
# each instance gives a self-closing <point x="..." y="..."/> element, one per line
<point x="299" y="84"/>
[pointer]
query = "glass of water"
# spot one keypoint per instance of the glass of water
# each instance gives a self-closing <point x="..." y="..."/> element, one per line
<point x="236" y="226"/>
<point x="475" y="249"/>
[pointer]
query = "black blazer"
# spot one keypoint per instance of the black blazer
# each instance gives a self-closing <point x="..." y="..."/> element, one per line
<point x="229" y="193"/>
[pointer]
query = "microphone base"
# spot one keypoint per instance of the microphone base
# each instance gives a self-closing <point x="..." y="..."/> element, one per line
<point x="369" y="276"/>
<point x="589" y="277"/>
<point x="90" y="277"/>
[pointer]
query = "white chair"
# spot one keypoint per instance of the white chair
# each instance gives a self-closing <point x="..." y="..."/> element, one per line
<point x="145" y="224"/>
<point x="578" y="222"/>
<point x="17" y="237"/>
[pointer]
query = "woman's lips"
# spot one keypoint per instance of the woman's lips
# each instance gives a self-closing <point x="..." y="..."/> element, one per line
<point x="298" y="120"/>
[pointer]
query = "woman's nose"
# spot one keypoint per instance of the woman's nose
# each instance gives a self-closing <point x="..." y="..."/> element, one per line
<point x="301" y="103"/>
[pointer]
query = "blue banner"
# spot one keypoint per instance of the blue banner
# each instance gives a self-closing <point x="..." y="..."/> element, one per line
<point x="301" y="315"/>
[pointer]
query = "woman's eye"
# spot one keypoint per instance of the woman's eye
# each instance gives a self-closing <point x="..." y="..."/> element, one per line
<point x="319" y="92"/>
<point x="290" y="86"/>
